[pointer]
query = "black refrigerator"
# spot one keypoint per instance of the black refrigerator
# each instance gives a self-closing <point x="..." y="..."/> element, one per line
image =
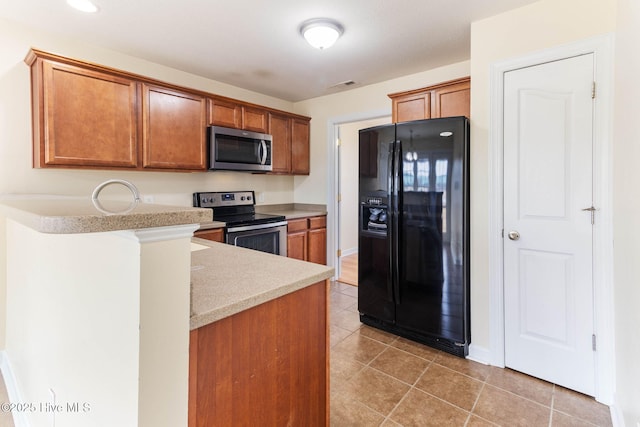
<point x="413" y="253"/>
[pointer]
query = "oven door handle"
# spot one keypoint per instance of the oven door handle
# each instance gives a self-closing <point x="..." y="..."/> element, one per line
<point x="256" y="227"/>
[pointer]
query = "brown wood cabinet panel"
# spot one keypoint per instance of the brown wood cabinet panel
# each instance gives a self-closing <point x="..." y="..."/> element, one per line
<point x="174" y="131"/>
<point x="225" y="113"/>
<point x="446" y="99"/>
<point x="216" y="234"/>
<point x="280" y="130"/>
<point x="297" y="245"/>
<point x="300" y="150"/>
<point x="307" y="239"/>
<point x="451" y="100"/>
<point x="414" y="107"/>
<point x="317" y="246"/>
<point x="268" y="363"/>
<point x="83" y="117"/>
<point x="254" y="119"/>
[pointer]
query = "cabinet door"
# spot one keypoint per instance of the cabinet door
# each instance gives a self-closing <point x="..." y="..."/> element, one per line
<point x="89" y="118"/>
<point x="317" y="242"/>
<point x="216" y="235"/>
<point x="174" y="129"/>
<point x="452" y="100"/>
<point x="280" y="129"/>
<point x="224" y="113"/>
<point x="412" y="107"/>
<point x="300" y="147"/>
<point x="297" y="245"/>
<point x="254" y="119"/>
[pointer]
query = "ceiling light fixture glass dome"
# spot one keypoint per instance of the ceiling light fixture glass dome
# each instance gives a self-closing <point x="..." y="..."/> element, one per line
<point x="321" y="33"/>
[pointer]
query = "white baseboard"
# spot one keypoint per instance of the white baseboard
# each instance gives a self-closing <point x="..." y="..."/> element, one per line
<point x="350" y="251"/>
<point x="617" y="418"/>
<point x="479" y="354"/>
<point x="19" y="418"/>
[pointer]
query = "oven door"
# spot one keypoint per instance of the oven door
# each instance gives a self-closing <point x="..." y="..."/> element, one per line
<point x="270" y="238"/>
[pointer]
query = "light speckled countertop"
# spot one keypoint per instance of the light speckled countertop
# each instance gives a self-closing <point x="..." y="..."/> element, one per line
<point x="226" y="279"/>
<point x="293" y="210"/>
<point x="79" y="215"/>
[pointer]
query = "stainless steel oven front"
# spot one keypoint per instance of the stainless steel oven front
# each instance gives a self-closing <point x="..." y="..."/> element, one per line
<point x="270" y="237"/>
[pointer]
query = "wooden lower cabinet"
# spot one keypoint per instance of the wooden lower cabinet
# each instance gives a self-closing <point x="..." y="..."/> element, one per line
<point x="215" y="234"/>
<point x="307" y="239"/>
<point x="265" y="366"/>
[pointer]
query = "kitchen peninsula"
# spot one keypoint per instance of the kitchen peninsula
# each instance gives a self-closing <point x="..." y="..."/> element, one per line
<point x="101" y="309"/>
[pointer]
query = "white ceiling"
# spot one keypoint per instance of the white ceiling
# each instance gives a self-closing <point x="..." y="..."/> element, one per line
<point x="256" y="44"/>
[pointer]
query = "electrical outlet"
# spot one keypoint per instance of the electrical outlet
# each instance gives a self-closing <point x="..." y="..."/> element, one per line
<point x="260" y="197"/>
<point x="148" y="198"/>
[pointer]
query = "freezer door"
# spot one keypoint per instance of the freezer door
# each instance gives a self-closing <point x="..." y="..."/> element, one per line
<point x="433" y="229"/>
<point x="375" y="292"/>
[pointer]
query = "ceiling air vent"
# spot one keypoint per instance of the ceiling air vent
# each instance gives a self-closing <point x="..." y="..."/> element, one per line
<point x="344" y="83"/>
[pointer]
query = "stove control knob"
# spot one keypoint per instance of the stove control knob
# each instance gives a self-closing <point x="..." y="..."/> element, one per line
<point x="242" y="198"/>
<point x="248" y="197"/>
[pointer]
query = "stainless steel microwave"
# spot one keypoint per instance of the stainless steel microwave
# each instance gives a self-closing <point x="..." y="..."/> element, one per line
<point x="241" y="150"/>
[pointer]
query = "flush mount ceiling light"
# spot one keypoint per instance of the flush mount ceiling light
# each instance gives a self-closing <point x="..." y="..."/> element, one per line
<point x="321" y="33"/>
<point x="83" y="5"/>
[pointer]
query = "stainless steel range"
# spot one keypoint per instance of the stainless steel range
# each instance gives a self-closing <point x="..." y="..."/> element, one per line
<point x="243" y="226"/>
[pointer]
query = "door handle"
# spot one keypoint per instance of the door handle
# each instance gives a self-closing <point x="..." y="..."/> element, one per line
<point x="514" y="235"/>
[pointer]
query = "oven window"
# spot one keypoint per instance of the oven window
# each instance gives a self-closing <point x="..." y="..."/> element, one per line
<point x="265" y="241"/>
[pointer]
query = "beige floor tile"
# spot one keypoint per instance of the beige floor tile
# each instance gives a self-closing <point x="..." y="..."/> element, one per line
<point x="465" y="366"/>
<point x="376" y="390"/>
<point x="522" y="385"/>
<point x="415" y="348"/>
<point x="451" y="386"/>
<point x="345" y="319"/>
<point x="360" y="348"/>
<point x="504" y="408"/>
<point x="581" y="406"/>
<point x="475" y="421"/>
<point x="558" y="419"/>
<point x="418" y="409"/>
<point x="343" y="367"/>
<point x="399" y="364"/>
<point x="341" y="301"/>
<point x="337" y="334"/>
<point x="377" y="334"/>
<point x="347" y="413"/>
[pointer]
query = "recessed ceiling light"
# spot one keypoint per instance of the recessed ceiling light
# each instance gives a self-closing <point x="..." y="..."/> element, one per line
<point x="83" y="5"/>
<point x="446" y="133"/>
<point x="321" y="33"/>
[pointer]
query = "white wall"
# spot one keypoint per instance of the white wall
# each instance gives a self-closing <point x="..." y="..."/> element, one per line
<point x="626" y="208"/>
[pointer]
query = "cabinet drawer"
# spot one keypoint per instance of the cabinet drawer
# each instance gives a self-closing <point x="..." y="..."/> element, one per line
<point x="318" y="222"/>
<point x="294" y="225"/>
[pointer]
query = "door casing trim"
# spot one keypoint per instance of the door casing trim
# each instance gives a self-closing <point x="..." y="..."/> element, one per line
<point x="602" y="48"/>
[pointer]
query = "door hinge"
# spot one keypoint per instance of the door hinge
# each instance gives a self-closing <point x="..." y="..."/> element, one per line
<point x="593" y="90"/>
<point x="339" y="253"/>
<point x="338" y="142"/>
<point x="593" y="342"/>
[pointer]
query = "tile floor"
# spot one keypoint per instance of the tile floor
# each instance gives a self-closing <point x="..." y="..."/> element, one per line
<point x="378" y="379"/>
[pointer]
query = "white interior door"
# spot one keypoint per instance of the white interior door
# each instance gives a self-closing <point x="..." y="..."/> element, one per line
<point x="548" y="169"/>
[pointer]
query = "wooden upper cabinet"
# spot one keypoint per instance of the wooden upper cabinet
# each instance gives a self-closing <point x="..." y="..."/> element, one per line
<point x="254" y="119"/>
<point x="280" y="129"/>
<point x="174" y="131"/>
<point x="447" y="99"/>
<point x="82" y="117"/>
<point x="225" y="113"/>
<point x="300" y="150"/>
<point x="235" y="115"/>
<point x="451" y="100"/>
<point x="412" y="107"/>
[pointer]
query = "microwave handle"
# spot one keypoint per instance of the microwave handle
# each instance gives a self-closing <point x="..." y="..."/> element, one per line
<point x="263" y="150"/>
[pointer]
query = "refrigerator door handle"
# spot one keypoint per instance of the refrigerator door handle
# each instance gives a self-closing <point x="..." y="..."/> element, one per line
<point x="390" y="192"/>
<point x="395" y="228"/>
